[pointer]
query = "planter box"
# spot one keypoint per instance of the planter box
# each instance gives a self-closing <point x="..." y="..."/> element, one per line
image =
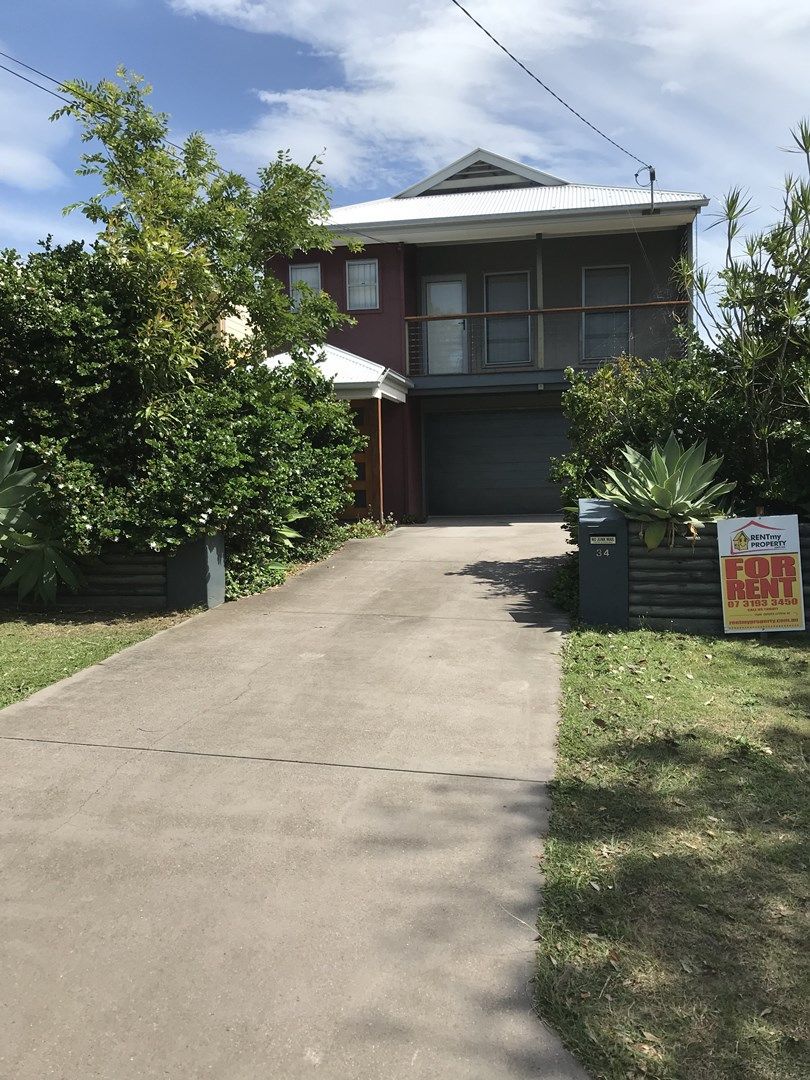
<point x="675" y="588"/>
<point x="192" y="575"/>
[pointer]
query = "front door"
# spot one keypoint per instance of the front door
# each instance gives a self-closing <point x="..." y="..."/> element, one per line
<point x="445" y="339"/>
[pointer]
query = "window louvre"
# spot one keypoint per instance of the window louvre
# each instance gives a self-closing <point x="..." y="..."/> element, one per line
<point x="605" y="334"/>
<point x="362" y="285"/>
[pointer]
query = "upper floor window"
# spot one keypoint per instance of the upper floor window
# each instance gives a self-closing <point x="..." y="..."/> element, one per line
<point x="605" y="334"/>
<point x="362" y="284"/>
<point x="508" y="338"/>
<point x="304" y="274"/>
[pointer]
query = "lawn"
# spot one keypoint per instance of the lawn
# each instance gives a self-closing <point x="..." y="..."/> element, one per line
<point x="36" y="650"/>
<point x="671" y="941"/>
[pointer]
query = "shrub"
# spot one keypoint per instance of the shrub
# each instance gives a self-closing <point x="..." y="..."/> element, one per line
<point x="154" y="427"/>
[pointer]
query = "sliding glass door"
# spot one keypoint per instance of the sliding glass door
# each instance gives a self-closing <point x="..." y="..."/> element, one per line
<point x="446" y="339"/>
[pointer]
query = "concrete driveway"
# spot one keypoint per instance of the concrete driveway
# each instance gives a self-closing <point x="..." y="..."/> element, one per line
<point x="296" y="836"/>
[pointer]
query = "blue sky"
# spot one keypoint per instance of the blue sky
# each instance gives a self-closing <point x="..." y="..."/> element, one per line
<point x="705" y="89"/>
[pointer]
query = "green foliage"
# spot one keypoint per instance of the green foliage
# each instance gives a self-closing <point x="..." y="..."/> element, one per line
<point x="256" y="567"/>
<point x="563" y="589"/>
<point x="155" y="427"/>
<point x="671" y="487"/>
<point x="33" y="561"/>
<point x="744" y="387"/>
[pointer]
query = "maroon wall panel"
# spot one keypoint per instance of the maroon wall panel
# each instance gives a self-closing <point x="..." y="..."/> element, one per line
<point x="380" y="336"/>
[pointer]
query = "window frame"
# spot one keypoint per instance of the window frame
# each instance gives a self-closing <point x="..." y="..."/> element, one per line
<point x="603" y="266"/>
<point x="530" y="362"/>
<point x="302" y="266"/>
<point x="350" y="262"/>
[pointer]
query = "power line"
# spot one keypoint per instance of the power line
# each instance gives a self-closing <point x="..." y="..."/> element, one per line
<point x="39" y="86"/>
<point x="98" y="101"/>
<point x="547" y="88"/>
<point x="87" y="98"/>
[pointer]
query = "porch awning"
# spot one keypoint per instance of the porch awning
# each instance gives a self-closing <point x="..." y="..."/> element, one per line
<point x="354" y="376"/>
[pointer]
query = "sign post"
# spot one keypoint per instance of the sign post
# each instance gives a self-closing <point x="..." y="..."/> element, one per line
<point x="761" y="574"/>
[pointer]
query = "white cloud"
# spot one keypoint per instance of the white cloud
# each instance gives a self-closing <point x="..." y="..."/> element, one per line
<point x="706" y="92"/>
<point x="28" y="168"/>
<point x="23" y="225"/>
<point x="420" y="84"/>
<point x="29" y="142"/>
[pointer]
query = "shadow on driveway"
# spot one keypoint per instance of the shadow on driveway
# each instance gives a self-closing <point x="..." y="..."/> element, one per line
<point x="528" y="581"/>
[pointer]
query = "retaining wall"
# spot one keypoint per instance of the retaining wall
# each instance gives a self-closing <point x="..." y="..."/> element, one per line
<point x="119" y="580"/>
<point x="623" y="584"/>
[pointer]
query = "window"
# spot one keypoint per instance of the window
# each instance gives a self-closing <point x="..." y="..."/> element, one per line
<point x="605" y="334"/>
<point x="309" y="274"/>
<point x="508" y="340"/>
<point x="362" y="287"/>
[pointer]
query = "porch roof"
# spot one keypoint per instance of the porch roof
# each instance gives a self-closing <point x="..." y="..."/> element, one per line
<point x="354" y="376"/>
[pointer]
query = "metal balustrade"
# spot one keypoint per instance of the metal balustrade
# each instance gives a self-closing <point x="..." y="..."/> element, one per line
<point x="540" y="338"/>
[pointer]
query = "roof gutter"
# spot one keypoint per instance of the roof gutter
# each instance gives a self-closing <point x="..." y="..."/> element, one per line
<point x="525" y="215"/>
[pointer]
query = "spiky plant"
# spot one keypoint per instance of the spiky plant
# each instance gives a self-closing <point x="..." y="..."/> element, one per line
<point x="34" y="563"/>
<point x="671" y="487"/>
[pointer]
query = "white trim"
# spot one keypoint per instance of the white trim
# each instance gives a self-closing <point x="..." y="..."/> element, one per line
<point x="523" y="225"/>
<point x="353" y="376"/>
<point x="508" y="367"/>
<point x="517" y="167"/>
<point x="363" y="259"/>
<point x="465" y="354"/>
<point x="603" y="266"/>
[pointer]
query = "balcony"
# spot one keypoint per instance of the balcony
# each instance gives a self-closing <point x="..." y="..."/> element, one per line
<point x="480" y="343"/>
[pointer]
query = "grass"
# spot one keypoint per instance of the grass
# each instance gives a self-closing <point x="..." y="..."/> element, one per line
<point x="37" y="650"/>
<point x="671" y="941"/>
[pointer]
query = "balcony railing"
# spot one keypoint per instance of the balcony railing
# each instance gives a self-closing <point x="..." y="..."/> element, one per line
<point x="480" y="342"/>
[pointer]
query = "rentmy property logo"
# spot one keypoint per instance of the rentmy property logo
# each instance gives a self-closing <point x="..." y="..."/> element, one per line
<point x="755" y="536"/>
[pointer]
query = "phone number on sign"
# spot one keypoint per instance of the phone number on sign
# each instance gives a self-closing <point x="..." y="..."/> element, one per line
<point x="784" y="602"/>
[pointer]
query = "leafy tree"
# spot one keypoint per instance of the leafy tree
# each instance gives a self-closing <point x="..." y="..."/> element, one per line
<point x="153" y="425"/>
<point x="743" y="383"/>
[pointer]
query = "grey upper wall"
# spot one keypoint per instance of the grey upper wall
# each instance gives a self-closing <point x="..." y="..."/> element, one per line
<point x="649" y="254"/>
<point x="476" y="260"/>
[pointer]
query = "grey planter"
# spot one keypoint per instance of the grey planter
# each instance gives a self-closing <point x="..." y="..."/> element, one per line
<point x="195" y="574"/>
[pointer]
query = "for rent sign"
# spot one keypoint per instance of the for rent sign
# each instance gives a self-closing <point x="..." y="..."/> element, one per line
<point x="761" y="574"/>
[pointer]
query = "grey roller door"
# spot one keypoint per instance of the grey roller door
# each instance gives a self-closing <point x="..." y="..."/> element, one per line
<point x="493" y="462"/>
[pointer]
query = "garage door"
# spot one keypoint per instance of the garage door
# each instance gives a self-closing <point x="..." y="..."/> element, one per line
<point x="493" y="462"/>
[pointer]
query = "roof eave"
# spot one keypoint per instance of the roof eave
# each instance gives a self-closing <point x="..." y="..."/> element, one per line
<point x="525" y="215"/>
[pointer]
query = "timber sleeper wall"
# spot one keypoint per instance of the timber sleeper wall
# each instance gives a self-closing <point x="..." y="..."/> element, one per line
<point x="192" y="575"/>
<point x="120" y="580"/>
<point x="623" y="584"/>
<point x="678" y="588"/>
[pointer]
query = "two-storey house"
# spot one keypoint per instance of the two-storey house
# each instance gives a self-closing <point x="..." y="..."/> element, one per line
<point x="474" y="290"/>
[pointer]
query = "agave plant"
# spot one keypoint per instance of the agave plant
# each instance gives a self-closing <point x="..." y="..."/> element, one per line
<point x="34" y="563"/>
<point x="671" y="487"/>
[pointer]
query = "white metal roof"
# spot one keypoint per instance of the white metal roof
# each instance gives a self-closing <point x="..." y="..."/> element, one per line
<point x="501" y="198"/>
<point x="505" y="202"/>
<point x="354" y="376"/>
